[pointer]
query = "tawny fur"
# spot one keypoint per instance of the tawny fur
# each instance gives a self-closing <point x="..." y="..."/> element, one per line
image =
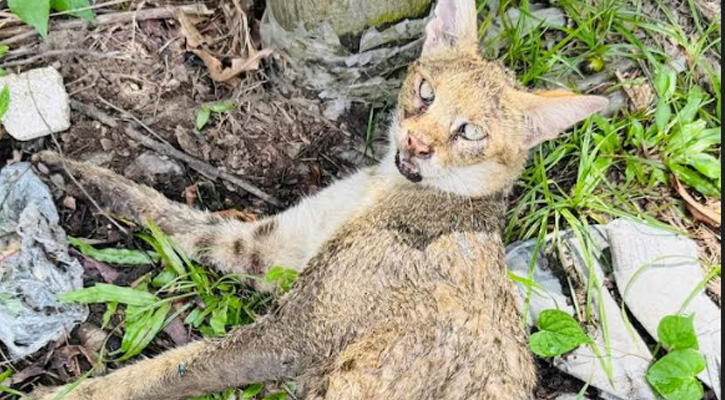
<point x="403" y="292"/>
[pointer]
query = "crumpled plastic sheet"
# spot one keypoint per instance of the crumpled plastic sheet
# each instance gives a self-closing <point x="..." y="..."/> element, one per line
<point x="630" y="356"/>
<point x="317" y="60"/>
<point x="34" y="266"/>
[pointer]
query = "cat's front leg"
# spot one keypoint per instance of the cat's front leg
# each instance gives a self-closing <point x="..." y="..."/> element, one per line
<point x="288" y="239"/>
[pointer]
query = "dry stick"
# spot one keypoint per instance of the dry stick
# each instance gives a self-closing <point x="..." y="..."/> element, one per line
<point x="170" y="151"/>
<point x="198" y="165"/>
<point x="90" y="8"/>
<point x="78" y="52"/>
<point x="15" y="35"/>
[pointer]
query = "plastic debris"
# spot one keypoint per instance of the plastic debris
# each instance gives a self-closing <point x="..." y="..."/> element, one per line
<point x="630" y="357"/>
<point x="656" y="272"/>
<point x="660" y="271"/>
<point x="317" y="60"/>
<point x="34" y="266"/>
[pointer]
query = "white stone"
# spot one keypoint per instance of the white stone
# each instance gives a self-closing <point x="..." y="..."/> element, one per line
<point x="39" y="104"/>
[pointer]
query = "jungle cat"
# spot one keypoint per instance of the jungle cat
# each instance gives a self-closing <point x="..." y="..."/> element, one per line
<point x="403" y="292"/>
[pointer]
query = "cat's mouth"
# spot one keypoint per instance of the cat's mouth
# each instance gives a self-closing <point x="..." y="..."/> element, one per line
<point x="408" y="168"/>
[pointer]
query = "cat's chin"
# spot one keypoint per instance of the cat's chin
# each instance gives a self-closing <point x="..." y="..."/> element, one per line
<point x="408" y="169"/>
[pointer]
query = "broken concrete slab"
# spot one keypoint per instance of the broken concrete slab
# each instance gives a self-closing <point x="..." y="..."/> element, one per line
<point x="630" y="357"/>
<point x="34" y="265"/>
<point x="657" y="272"/>
<point x="39" y="104"/>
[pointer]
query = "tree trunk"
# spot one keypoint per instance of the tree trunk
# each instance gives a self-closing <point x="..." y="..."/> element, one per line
<point x="348" y="17"/>
<point x="381" y="38"/>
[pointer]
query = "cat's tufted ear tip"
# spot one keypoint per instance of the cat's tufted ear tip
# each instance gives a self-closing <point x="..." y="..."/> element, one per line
<point x="454" y="26"/>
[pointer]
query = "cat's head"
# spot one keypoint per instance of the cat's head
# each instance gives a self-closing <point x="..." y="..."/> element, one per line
<point x="463" y="124"/>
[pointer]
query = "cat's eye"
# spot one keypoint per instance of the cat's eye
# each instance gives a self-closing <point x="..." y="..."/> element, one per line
<point x="472" y="132"/>
<point x="426" y="92"/>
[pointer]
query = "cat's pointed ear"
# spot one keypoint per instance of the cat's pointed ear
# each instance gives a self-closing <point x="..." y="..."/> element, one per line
<point x="454" y="26"/>
<point x="548" y="114"/>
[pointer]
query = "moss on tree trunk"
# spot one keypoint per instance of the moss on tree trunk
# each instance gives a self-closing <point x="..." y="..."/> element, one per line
<point x="348" y="17"/>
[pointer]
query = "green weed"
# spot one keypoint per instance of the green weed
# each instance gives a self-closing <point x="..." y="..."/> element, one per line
<point x="36" y="13"/>
<point x="205" y="112"/>
<point x="209" y="303"/>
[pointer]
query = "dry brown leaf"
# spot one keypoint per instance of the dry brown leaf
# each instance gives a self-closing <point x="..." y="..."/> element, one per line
<point x="197" y="9"/>
<point x="177" y="332"/>
<point x="219" y="73"/>
<point x="194" y="38"/>
<point x="640" y="93"/>
<point x="699" y="211"/>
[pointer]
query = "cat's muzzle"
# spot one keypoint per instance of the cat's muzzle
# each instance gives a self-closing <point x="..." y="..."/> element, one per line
<point x="408" y="168"/>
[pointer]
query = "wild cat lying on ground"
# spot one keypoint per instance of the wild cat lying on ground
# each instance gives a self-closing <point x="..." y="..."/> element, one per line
<point x="403" y="292"/>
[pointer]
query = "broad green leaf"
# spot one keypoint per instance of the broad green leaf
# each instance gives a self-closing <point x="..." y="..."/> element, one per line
<point x="695" y="98"/>
<point x="223" y="107"/>
<point x="69" y="5"/>
<point x="674" y="377"/>
<point x="3" y="50"/>
<point x="708" y="165"/>
<point x="559" y="334"/>
<point x="195" y="318"/>
<point x="202" y="118"/>
<point x="636" y="134"/>
<point x="252" y="391"/>
<point x="103" y="293"/>
<point x="163" y="245"/>
<point x="678" y="333"/>
<point x="276" y="396"/>
<point x="164" y="278"/>
<point x="4" y="101"/>
<point x="218" y="321"/>
<point x="282" y="277"/>
<point x="695" y="180"/>
<point x="35" y="13"/>
<point x="686" y="136"/>
<point x="666" y="82"/>
<point x="115" y="256"/>
<point x="663" y="114"/>
<point x="708" y="139"/>
<point x="141" y="329"/>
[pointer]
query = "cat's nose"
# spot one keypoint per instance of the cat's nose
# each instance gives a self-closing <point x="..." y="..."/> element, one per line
<point x="418" y="148"/>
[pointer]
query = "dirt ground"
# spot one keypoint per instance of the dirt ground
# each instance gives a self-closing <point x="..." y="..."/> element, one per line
<point x="276" y="139"/>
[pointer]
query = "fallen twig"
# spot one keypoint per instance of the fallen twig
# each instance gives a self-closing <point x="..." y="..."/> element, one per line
<point x="78" y="52"/>
<point x="202" y="167"/>
<point x="19" y="34"/>
<point x="168" y="150"/>
<point x="89" y="8"/>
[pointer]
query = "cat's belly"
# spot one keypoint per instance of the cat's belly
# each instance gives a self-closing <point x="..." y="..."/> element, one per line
<point x="431" y="363"/>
